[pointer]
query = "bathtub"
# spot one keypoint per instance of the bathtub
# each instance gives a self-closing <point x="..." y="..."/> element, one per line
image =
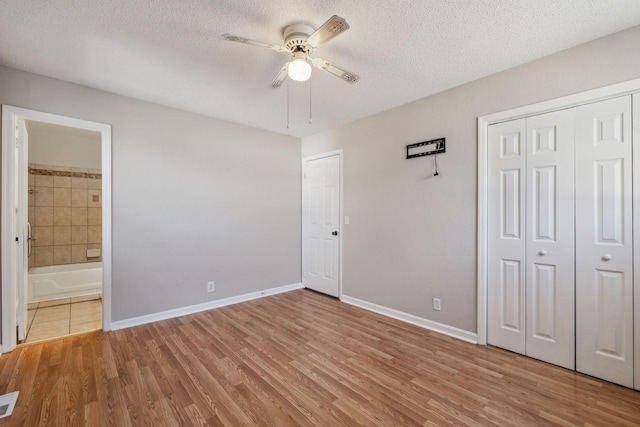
<point x="64" y="281"/>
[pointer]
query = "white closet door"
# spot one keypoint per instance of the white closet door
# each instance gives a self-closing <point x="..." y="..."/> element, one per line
<point x="604" y="275"/>
<point x="550" y="290"/>
<point x="506" y="236"/>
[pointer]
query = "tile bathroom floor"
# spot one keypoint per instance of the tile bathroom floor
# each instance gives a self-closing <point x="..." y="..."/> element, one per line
<point x="58" y="318"/>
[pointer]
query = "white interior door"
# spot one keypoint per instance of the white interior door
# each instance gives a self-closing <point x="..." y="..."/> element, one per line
<point x="604" y="257"/>
<point x="550" y="282"/>
<point x="636" y="238"/>
<point x="22" y="195"/>
<point x="506" y="236"/>
<point x="321" y="225"/>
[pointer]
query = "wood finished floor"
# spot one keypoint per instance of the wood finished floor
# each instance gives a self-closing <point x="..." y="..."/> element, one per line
<point x="297" y="358"/>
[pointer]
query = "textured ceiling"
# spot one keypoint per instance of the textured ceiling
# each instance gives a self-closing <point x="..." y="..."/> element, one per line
<point x="171" y="51"/>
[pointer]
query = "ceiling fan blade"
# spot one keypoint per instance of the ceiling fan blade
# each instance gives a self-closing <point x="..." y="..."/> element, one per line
<point x="329" y="67"/>
<point x="276" y="47"/>
<point x="330" y="29"/>
<point x="280" y="78"/>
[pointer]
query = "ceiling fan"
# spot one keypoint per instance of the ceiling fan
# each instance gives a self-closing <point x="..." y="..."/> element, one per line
<point x="300" y="40"/>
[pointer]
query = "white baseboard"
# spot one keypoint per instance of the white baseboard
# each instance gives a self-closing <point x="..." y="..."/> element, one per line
<point x="451" y="331"/>
<point x="183" y="311"/>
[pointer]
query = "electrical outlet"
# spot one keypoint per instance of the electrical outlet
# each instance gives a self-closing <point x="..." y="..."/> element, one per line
<point x="211" y="286"/>
<point x="436" y="304"/>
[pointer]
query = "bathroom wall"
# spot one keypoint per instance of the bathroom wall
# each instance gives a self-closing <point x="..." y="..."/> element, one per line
<point x="65" y="212"/>
<point x="51" y="144"/>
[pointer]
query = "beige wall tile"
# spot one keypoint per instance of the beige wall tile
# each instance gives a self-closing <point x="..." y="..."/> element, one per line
<point x="62" y="254"/>
<point x="78" y="234"/>
<point x="43" y="235"/>
<point x="32" y="179"/>
<point x="44" y="181"/>
<point x="31" y="200"/>
<point x="78" y="182"/>
<point x="43" y="256"/>
<point x="62" y="235"/>
<point x="94" y="216"/>
<point x="62" y="168"/>
<point x="94" y="234"/>
<point x="31" y="215"/>
<point x="78" y="216"/>
<point x="80" y="170"/>
<point x="90" y="196"/>
<point x="61" y="215"/>
<point x="79" y="197"/>
<point x="94" y="183"/>
<point x="43" y="216"/>
<point x="62" y="181"/>
<point x="43" y="196"/>
<point x="62" y="197"/>
<point x="78" y="253"/>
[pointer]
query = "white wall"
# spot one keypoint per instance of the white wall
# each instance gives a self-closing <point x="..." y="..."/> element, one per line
<point x="63" y="146"/>
<point x="412" y="236"/>
<point x="194" y="198"/>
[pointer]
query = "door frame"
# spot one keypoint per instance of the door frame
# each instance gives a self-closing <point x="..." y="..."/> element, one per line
<point x="340" y="155"/>
<point x="10" y="116"/>
<point x="595" y="95"/>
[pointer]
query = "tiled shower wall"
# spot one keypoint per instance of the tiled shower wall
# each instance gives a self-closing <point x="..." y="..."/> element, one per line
<point x="65" y="212"/>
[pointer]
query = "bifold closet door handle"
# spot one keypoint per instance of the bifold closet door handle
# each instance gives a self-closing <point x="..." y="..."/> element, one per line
<point x="542" y="253"/>
<point x="334" y="233"/>
<point x="606" y="257"/>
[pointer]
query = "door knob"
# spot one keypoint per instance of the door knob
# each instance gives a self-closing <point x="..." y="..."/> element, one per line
<point x="334" y="233"/>
<point x="606" y="257"/>
<point x="542" y="253"/>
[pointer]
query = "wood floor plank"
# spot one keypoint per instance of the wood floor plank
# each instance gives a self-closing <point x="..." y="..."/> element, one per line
<point x="297" y="358"/>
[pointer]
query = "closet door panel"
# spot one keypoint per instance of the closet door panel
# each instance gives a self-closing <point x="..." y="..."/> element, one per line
<point x="604" y="256"/>
<point x="506" y="236"/>
<point x="550" y="259"/>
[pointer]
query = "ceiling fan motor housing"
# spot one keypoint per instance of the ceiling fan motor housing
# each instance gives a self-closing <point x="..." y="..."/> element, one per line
<point x="295" y="37"/>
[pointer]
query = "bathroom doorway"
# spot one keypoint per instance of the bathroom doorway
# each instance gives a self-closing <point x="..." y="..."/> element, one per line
<point x="60" y="187"/>
<point x="64" y="231"/>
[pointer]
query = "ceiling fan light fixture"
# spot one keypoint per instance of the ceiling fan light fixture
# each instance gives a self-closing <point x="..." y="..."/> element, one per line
<point x="300" y="40"/>
<point x="299" y="69"/>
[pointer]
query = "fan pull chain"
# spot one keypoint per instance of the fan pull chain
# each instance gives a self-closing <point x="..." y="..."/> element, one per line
<point x="287" y="104"/>
<point x="310" y="120"/>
